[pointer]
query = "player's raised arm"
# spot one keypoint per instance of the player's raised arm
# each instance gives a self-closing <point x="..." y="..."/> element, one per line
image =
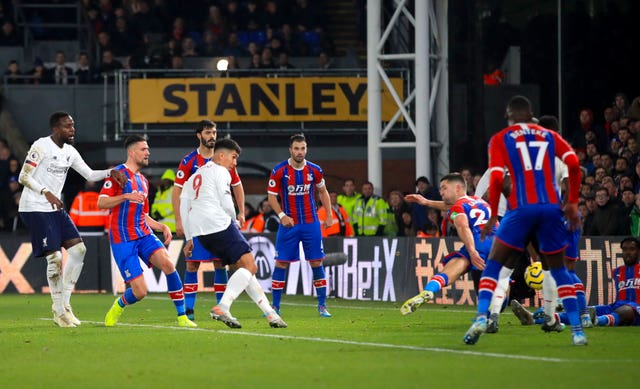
<point x="420" y="199"/>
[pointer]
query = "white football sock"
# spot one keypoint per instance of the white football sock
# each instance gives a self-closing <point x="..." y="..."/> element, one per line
<point x="72" y="270"/>
<point x="54" y="278"/>
<point x="550" y="295"/>
<point x="501" y="290"/>
<point x="254" y="290"/>
<point x="237" y="283"/>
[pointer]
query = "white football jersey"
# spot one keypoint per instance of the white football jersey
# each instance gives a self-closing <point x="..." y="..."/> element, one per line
<point x="483" y="187"/>
<point x="46" y="166"/>
<point x="206" y="205"/>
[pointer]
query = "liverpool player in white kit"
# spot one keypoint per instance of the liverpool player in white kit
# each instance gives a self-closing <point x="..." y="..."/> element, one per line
<point x="43" y="175"/>
<point x="208" y="215"/>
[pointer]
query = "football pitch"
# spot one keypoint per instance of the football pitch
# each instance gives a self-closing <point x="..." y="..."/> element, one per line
<point x="365" y="344"/>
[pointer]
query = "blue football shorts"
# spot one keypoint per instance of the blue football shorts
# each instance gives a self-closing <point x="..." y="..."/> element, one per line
<point x="289" y="238"/>
<point x="544" y="221"/>
<point x="128" y="255"/>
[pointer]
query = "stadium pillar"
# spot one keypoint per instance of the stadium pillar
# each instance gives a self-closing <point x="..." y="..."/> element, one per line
<point x="424" y="104"/>
<point x="374" y="109"/>
<point x="422" y="76"/>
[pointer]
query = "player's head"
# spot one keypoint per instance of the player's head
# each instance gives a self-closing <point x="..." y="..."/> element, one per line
<point x="630" y="250"/>
<point x="452" y="187"/>
<point x="519" y="110"/>
<point x="226" y="153"/>
<point x="206" y="133"/>
<point x="137" y="151"/>
<point x="550" y="122"/>
<point x="62" y="125"/>
<point x="298" y="147"/>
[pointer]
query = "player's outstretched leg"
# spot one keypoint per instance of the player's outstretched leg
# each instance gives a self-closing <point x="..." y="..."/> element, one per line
<point x="525" y="317"/>
<point x="254" y="290"/>
<point x="412" y="304"/>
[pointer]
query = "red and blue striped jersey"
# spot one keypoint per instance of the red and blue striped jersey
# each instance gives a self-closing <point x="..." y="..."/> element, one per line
<point x="627" y="282"/>
<point x="191" y="162"/>
<point x="296" y="189"/>
<point x="528" y="151"/>
<point x="128" y="219"/>
<point x="477" y="211"/>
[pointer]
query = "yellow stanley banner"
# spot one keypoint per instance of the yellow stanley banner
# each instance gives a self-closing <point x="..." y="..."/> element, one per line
<point x="179" y="100"/>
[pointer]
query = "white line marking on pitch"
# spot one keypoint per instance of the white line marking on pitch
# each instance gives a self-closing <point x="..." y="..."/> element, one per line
<point x="342" y="341"/>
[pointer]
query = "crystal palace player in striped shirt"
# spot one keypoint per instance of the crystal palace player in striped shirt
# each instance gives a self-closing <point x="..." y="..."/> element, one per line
<point x="625" y="310"/>
<point x="296" y="181"/>
<point x="528" y="152"/>
<point x="131" y="234"/>
<point x="206" y="133"/>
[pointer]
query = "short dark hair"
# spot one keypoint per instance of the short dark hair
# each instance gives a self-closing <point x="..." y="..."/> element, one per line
<point x="630" y="239"/>
<point x="519" y="103"/>
<point x="299" y="137"/>
<point x="132" y="139"/>
<point x="204" y="124"/>
<point x="55" y="117"/>
<point x="550" y="122"/>
<point x="423" y="179"/>
<point x="228" y="144"/>
<point x="455" y="177"/>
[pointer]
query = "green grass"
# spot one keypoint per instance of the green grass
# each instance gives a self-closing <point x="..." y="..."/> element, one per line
<point x="365" y="344"/>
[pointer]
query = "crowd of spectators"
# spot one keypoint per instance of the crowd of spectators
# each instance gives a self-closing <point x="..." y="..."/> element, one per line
<point x="160" y="34"/>
<point x="10" y="189"/>
<point x="609" y="201"/>
<point x="607" y="146"/>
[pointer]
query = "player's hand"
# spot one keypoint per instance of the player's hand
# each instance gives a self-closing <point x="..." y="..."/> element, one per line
<point x="328" y="222"/>
<point x="241" y="220"/>
<point x="486" y="230"/>
<point x="179" y="229"/>
<point x="54" y="201"/>
<point x="167" y="235"/>
<point x="571" y="213"/>
<point x="187" y="250"/>
<point x="119" y="176"/>
<point x="136" y="197"/>
<point x="286" y="221"/>
<point x="476" y="260"/>
<point x="414" y="198"/>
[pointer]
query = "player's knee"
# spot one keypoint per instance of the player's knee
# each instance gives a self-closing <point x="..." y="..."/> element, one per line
<point x="54" y="264"/>
<point x="167" y="267"/>
<point x="78" y="251"/>
<point x="247" y="262"/>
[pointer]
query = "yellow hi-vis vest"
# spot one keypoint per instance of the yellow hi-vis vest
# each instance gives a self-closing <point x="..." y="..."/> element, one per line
<point x="162" y="205"/>
<point x="370" y="215"/>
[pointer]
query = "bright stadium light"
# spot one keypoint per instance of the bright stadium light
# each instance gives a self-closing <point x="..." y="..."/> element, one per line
<point x="222" y="64"/>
